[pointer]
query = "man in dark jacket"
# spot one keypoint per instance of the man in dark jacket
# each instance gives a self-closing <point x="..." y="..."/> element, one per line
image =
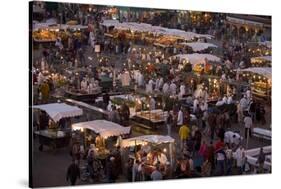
<point x="73" y="172"/>
<point x="109" y="170"/>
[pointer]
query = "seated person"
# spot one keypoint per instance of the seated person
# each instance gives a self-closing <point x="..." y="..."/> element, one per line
<point x="160" y="158"/>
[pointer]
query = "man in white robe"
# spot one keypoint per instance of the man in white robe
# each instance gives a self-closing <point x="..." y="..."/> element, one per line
<point x="195" y="104"/>
<point x="149" y="86"/>
<point x="243" y="103"/>
<point x="157" y="84"/>
<point x="182" y="91"/>
<point x="41" y="78"/>
<point x="166" y="88"/>
<point x="83" y="85"/>
<point x="180" y="118"/>
<point x="173" y="88"/>
<point x="248" y="94"/>
<point x="161" y="81"/>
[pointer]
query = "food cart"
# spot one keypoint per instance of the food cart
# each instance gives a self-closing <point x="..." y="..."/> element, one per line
<point x="260" y="81"/>
<point x="102" y="130"/>
<point x="53" y="137"/>
<point x="261" y="61"/>
<point x="201" y="63"/>
<point x="153" y="150"/>
<point x="198" y="46"/>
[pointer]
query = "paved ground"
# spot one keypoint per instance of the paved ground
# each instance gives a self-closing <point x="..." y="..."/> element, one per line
<point x="49" y="168"/>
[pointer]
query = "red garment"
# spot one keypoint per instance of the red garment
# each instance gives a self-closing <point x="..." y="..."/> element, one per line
<point x="219" y="145"/>
<point x="203" y="149"/>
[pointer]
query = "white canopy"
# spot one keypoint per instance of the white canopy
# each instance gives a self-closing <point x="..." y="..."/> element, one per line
<point x="265" y="71"/>
<point x="261" y="58"/>
<point x="196" y="58"/>
<point x="243" y="21"/>
<point x="104" y="128"/>
<point x="54" y="26"/>
<point x="58" y="111"/>
<point x="199" y="46"/>
<point x="143" y="27"/>
<point x="142" y="140"/>
<point x="266" y="43"/>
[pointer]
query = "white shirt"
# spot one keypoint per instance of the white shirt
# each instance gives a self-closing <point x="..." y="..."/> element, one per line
<point x="157" y="83"/>
<point x="166" y="88"/>
<point x="109" y="108"/>
<point x="195" y="103"/>
<point x="239" y="157"/>
<point x="248" y="94"/>
<point x="229" y="100"/>
<point x="140" y="80"/>
<point x="243" y="103"/>
<point x="182" y="90"/>
<point x="248" y="122"/>
<point x="160" y="82"/>
<point x="173" y="89"/>
<point x="224" y="99"/>
<point x="180" y="118"/>
<point x="149" y="86"/>
<point x="220" y="156"/>
<point x="84" y="85"/>
<point x="41" y="78"/>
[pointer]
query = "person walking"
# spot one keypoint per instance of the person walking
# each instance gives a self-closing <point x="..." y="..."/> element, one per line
<point x="261" y="160"/>
<point x="169" y="122"/>
<point x="184" y="135"/>
<point x="73" y="172"/>
<point x="240" y="156"/>
<point x="180" y="117"/>
<point x="229" y="159"/>
<point x="248" y="125"/>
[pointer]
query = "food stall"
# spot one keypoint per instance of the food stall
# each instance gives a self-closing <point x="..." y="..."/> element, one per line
<point x="53" y="137"/>
<point x="151" y="118"/>
<point x="261" y="61"/>
<point x="102" y="131"/>
<point x="200" y="62"/>
<point x="151" y="150"/>
<point x="198" y="46"/>
<point x="49" y="32"/>
<point x="82" y="87"/>
<point x="260" y="81"/>
<point x="149" y="33"/>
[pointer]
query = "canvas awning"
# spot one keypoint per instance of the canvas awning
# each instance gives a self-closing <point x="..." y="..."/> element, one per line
<point x="103" y="127"/>
<point x="199" y="46"/>
<point x="261" y="58"/>
<point x="145" y="139"/>
<point x="265" y="71"/>
<point x="197" y="58"/>
<point x="266" y="43"/>
<point x="58" y="111"/>
<point x="144" y="27"/>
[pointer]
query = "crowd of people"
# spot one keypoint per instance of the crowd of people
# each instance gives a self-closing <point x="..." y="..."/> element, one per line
<point x="207" y="146"/>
